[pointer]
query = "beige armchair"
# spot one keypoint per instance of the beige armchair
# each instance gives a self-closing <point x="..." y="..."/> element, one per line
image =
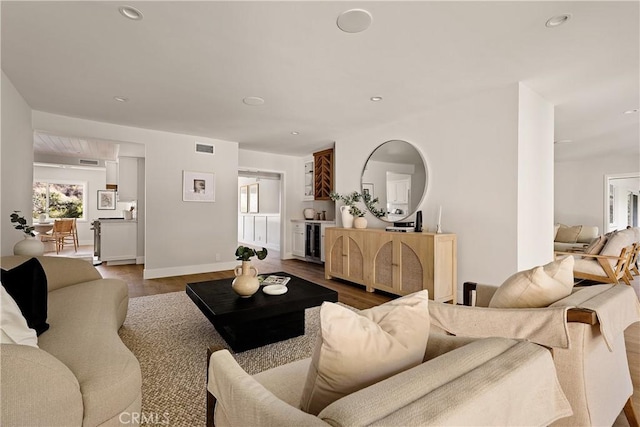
<point x="584" y="331"/>
<point x="492" y="381"/>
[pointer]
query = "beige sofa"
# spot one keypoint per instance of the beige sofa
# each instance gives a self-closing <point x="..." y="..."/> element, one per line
<point x="584" y="331"/>
<point x="81" y="374"/>
<point x="492" y="381"/>
<point x="563" y="240"/>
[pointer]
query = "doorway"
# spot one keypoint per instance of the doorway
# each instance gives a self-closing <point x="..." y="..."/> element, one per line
<point x="621" y="194"/>
<point x="260" y="210"/>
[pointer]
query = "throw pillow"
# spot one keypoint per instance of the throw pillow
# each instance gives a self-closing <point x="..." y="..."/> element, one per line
<point x="568" y="234"/>
<point x="357" y="349"/>
<point x="537" y="287"/>
<point x="13" y="326"/>
<point x="27" y="285"/>
<point x="595" y="247"/>
<point x="555" y="231"/>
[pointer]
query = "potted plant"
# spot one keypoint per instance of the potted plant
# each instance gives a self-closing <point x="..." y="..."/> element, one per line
<point x="350" y="209"/>
<point x="29" y="245"/>
<point x="246" y="282"/>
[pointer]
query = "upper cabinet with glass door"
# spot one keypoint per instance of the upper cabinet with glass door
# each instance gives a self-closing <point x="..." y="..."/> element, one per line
<point x="308" y="180"/>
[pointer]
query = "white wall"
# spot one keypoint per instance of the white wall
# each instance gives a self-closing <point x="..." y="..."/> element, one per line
<point x="180" y="237"/>
<point x="535" y="179"/>
<point x="16" y="158"/>
<point x="94" y="179"/>
<point x="471" y="149"/>
<point x="579" y="187"/>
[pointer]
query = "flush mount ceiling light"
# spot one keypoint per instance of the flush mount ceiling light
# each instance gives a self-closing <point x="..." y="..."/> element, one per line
<point x="558" y="20"/>
<point x="376" y="98"/>
<point x="121" y="98"/>
<point x="295" y="133"/>
<point x="253" y="100"/>
<point x="635" y="110"/>
<point x="354" y="20"/>
<point x="130" y="12"/>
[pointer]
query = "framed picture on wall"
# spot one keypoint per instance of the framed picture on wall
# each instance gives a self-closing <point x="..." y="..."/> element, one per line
<point x="106" y="200"/>
<point x="253" y="198"/>
<point x="198" y="186"/>
<point x="367" y="188"/>
<point x="244" y="199"/>
<point x="612" y="204"/>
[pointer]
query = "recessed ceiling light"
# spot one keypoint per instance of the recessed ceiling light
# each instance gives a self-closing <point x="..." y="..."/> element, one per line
<point x="376" y="98"/>
<point x="253" y="100"/>
<point x="635" y="110"/>
<point x="557" y="20"/>
<point x="354" y="20"/>
<point x="130" y="12"/>
<point x="121" y="98"/>
<point x="295" y="133"/>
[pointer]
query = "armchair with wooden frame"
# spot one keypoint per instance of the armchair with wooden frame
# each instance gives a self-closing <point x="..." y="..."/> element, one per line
<point x="63" y="230"/>
<point x="614" y="262"/>
<point x="585" y="332"/>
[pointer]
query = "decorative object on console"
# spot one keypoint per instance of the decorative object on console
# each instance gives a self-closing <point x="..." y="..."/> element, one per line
<point x="418" y="222"/>
<point x="246" y="282"/>
<point x="360" y="222"/>
<point x="347" y="218"/>
<point x="309" y="213"/>
<point x="438" y="226"/>
<point x="29" y="245"/>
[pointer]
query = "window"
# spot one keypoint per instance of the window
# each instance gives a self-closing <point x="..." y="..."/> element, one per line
<point x="59" y="200"/>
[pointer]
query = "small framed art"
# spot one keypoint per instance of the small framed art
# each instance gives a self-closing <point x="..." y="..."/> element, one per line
<point x="244" y="201"/>
<point x="106" y="200"/>
<point x="253" y="198"/>
<point x="198" y="186"/>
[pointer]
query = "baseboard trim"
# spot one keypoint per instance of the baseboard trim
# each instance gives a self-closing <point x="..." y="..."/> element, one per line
<point x="140" y="260"/>
<point x="156" y="273"/>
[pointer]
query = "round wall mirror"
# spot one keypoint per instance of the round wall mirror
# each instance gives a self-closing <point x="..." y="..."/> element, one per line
<point x="396" y="174"/>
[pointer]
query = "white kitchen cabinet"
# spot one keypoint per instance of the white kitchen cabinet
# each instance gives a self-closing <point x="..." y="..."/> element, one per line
<point x="298" y="239"/>
<point x="127" y="179"/>
<point x="118" y="241"/>
<point x="112" y="172"/>
<point x="398" y="191"/>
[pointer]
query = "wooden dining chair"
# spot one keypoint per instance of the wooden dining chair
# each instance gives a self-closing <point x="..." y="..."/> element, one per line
<point x="63" y="230"/>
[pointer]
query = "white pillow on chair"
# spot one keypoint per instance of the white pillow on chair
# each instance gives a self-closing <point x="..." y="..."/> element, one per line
<point x="13" y="325"/>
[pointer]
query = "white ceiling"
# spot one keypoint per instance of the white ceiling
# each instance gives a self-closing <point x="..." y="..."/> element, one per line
<point x="187" y="65"/>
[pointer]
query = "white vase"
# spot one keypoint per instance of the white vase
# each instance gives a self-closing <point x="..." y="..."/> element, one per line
<point x="360" y="222"/>
<point x="347" y="218"/>
<point x="29" y="246"/>
<point x="246" y="282"/>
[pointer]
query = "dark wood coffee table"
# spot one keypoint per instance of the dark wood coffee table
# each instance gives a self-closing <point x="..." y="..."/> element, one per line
<point x="247" y="323"/>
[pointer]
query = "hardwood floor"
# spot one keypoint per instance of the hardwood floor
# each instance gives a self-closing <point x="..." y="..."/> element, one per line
<point x="353" y="295"/>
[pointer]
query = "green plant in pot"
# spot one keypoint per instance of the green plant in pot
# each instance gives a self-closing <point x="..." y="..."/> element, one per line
<point x="246" y="282"/>
<point x="20" y="223"/>
<point x="350" y="201"/>
<point x="29" y="245"/>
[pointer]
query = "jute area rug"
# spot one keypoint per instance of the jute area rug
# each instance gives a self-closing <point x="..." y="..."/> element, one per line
<point x="169" y="336"/>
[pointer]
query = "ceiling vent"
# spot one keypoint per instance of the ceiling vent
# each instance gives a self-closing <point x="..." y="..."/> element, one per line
<point x="205" y="148"/>
<point x="89" y="162"/>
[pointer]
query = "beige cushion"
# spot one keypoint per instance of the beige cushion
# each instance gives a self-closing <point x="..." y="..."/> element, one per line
<point x="588" y="233"/>
<point x="567" y="234"/>
<point x="595" y="247"/>
<point x="555" y="231"/>
<point x="13" y="325"/>
<point x="357" y="349"/>
<point x="616" y="243"/>
<point x="537" y="287"/>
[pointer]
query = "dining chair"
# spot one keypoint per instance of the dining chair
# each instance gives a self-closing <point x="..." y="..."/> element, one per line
<point x="63" y="229"/>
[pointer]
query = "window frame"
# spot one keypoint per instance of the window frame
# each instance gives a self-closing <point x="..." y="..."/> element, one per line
<point x="49" y="181"/>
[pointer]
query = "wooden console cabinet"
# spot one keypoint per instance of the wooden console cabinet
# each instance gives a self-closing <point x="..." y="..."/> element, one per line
<point x="398" y="263"/>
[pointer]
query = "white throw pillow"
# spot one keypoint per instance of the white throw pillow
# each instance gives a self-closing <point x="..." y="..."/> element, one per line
<point x="357" y="349"/>
<point x="537" y="287"/>
<point x="13" y="325"/>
